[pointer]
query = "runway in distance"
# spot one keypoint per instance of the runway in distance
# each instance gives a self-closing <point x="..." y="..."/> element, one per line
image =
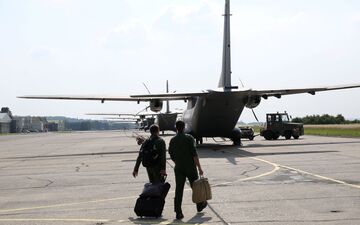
<point x="210" y="113"/>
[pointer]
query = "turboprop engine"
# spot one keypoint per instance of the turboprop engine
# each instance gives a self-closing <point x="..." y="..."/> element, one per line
<point x="156" y="105"/>
<point x="252" y="101"/>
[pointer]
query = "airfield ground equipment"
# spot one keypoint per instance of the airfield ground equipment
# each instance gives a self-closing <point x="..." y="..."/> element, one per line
<point x="278" y="124"/>
<point x="247" y="133"/>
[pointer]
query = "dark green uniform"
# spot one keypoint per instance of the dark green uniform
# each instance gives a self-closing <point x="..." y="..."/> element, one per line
<point x="182" y="151"/>
<point x="154" y="171"/>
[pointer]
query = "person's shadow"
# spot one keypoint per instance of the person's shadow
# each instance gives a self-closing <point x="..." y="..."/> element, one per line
<point x="196" y="219"/>
<point x="146" y="220"/>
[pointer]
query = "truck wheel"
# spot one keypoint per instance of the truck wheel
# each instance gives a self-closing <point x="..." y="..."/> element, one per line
<point x="287" y="135"/>
<point x="268" y="135"/>
<point x="275" y="136"/>
<point x="296" y="136"/>
<point x="251" y="138"/>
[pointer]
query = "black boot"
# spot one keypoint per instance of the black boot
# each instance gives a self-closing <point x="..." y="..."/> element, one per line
<point x="179" y="216"/>
<point x="200" y="206"/>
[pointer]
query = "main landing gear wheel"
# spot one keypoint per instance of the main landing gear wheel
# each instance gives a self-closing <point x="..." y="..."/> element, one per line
<point x="199" y="141"/>
<point x="236" y="141"/>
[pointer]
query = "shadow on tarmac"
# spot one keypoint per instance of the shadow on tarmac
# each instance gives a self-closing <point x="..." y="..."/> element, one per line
<point x="294" y="143"/>
<point x="240" y="152"/>
<point x="212" y="147"/>
<point x="198" y="218"/>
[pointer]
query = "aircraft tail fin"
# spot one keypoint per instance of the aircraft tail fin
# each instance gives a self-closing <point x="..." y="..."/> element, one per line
<point x="225" y="78"/>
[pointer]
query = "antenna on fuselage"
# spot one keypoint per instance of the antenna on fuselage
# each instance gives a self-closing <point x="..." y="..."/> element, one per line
<point x="225" y="78"/>
<point x="146" y="88"/>
<point x="167" y="102"/>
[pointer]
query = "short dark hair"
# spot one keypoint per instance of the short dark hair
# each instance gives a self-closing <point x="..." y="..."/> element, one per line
<point x="154" y="129"/>
<point x="180" y="125"/>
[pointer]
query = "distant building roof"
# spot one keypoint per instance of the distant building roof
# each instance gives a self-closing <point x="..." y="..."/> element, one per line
<point x="4" y="118"/>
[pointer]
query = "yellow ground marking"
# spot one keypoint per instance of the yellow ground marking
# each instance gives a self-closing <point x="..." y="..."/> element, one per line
<point x="140" y="221"/>
<point x="277" y="166"/>
<point x="321" y="177"/>
<point x="67" y="204"/>
<point x="57" y="220"/>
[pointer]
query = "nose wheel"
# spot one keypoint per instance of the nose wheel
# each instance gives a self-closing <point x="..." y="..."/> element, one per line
<point x="199" y="141"/>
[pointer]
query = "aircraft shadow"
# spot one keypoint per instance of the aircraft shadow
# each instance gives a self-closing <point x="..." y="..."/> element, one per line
<point x="267" y="145"/>
<point x="212" y="147"/>
<point x="206" y="150"/>
<point x="296" y="143"/>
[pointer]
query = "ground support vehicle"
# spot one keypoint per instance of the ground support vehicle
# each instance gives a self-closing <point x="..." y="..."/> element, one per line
<point x="278" y="124"/>
<point x="247" y="133"/>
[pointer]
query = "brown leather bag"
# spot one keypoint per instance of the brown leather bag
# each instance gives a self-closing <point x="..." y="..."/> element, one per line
<point x="201" y="190"/>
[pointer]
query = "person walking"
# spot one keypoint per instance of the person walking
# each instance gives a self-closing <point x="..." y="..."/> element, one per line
<point x="152" y="155"/>
<point x="183" y="153"/>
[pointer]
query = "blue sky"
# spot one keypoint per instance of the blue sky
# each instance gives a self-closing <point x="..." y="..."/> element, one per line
<point x="111" y="47"/>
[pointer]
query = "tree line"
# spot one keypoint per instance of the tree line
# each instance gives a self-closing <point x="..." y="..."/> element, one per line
<point x="324" y="119"/>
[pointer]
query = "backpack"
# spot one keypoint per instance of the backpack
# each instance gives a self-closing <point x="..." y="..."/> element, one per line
<point x="150" y="155"/>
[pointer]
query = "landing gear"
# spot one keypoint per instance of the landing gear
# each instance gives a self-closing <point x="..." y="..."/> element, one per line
<point x="236" y="137"/>
<point x="236" y="141"/>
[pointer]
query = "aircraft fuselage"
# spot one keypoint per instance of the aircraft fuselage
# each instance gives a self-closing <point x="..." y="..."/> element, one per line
<point x="214" y="115"/>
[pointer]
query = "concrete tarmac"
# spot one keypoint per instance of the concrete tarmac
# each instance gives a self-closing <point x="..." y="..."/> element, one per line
<point x="85" y="178"/>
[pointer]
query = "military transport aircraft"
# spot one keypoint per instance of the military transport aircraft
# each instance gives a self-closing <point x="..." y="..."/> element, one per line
<point x="166" y="121"/>
<point x="211" y="113"/>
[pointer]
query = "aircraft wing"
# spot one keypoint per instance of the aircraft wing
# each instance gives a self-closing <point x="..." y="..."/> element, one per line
<point x="278" y="93"/>
<point x="128" y="114"/>
<point x="136" y="98"/>
<point x="111" y="114"/>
